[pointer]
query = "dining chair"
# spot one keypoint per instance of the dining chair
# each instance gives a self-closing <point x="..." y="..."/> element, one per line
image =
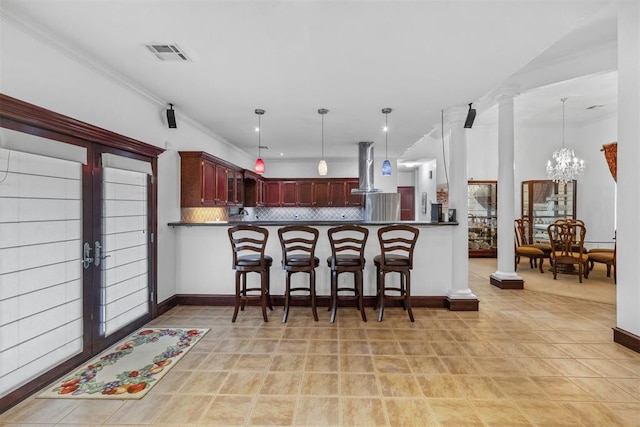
<point x="567" y="240"/>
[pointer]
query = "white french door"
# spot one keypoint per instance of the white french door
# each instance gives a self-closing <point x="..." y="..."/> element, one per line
<point x="74" y="252"/>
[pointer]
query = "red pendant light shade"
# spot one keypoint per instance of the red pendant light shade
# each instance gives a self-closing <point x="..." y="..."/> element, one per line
<point x="259" y="167"/>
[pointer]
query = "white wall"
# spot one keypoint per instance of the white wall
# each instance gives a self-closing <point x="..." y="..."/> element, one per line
<point x="36" y="70"/>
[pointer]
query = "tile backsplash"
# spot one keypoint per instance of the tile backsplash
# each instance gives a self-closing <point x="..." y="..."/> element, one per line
<point x="271" y="214"/>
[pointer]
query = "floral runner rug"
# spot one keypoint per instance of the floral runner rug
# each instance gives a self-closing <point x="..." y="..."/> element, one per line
<point x="129" y="369"/>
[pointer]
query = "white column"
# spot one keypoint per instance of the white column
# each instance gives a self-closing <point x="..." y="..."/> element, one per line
<point x="506" y="189"/>
<point x="628" y="236"/>
<point x="458" y="200"/>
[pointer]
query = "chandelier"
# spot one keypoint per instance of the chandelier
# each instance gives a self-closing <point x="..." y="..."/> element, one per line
<point x="565" y="166"/>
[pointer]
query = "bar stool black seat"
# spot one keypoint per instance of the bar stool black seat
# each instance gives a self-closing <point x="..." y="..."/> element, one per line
<point x="347" y="256"/>
<point x="248" y="243"/>
<point x="298" y="244"/>
<point x="397" y="243"/>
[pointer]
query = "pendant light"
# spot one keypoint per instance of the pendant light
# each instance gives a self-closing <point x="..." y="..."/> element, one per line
<point x="322" y="164"/>
<point x="386" y="165"/>
<point x="259" y="167"/>
<point x="565" y="167"/>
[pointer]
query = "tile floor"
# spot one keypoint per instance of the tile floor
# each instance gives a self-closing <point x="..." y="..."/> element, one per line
<point x="525" y="359"/>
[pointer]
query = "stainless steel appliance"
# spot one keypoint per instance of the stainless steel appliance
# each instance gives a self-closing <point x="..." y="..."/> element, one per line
<point x="382" y="207"/>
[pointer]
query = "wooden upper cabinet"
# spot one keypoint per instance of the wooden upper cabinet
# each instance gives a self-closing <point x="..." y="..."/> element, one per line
<point x="337" y="196"/>
<point x="321" y="193"/>
<point x="272" y="193"/>
<point x="305" y="193"/>
<point x="353" y="199"/>
<point x="208" y="181"/>
<point x="252" y="189"/>
<point x="288" y="193"/>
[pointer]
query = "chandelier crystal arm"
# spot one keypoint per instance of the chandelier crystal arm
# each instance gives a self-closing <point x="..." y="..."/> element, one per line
<point x="566" y="166"/>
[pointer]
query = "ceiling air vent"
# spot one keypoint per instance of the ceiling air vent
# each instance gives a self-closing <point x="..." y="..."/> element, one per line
<point x="167" y="52"/>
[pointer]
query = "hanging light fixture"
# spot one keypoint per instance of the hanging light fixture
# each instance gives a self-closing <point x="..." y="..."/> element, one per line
<point x="565" y="166"/>
<point x="259" y="167"/>
<point x="386" y="165"/>
<point x="322" y="164"/>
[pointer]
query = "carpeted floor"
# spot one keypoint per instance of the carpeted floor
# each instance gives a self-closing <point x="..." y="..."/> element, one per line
<point x="597" y="288"/>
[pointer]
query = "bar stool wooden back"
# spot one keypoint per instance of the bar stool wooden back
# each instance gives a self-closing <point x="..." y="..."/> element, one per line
<point x="298" y="244"/>
<point x="397" y="243"/>
<point x="347" y="256"/>
<point x="248" y="243"/>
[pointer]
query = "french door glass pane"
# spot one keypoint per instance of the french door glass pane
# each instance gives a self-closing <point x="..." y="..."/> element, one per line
<point x="41" y="305"/>
<point x="124" y="259"/>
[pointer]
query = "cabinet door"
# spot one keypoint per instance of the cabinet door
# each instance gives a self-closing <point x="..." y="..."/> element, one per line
<point x="288" y="193"/>
<point x="260" y="186"/>
<point x="239" y="189"/>
<point x="208" y="183"/>
<point x="304" y="193"/>
<point x="321" y="193"/>
<point x="221" y="185"/>
<point x="272" y="193"/>
<point x="337" y="194"/>
<point x="353" y="199"/>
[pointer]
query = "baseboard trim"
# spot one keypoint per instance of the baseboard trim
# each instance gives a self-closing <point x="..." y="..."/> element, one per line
<point x="166" y="305"/>
<point x="321" y="301"/>
<point x="456" y="304"/>
<point x="627" y="339"/>
<point x="506" y="283"/>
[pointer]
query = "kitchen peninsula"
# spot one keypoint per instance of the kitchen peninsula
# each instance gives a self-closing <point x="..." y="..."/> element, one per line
<point x="205" y="275"/>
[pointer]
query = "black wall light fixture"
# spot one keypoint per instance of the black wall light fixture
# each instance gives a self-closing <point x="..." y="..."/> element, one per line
<point x="171" y="117"/>
<point x="471" y="116"/>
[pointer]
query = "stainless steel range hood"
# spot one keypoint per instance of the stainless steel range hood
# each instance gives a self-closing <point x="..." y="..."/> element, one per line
<point x="365" y="169"/>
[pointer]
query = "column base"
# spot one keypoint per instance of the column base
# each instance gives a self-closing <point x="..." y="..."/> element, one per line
<point x="459" y="304"/>
<point x="627" y="339"/>
<point x="503" y="281"/>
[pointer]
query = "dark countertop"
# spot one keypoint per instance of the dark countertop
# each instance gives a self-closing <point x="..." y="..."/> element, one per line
<point x="329" y="223"/>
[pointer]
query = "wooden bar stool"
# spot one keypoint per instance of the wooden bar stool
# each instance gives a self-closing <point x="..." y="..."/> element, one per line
<point x="248" y="243"/>
<point x="298" y="244"/>
<point x="347" y="256"/>
<point x="397" y="243"/>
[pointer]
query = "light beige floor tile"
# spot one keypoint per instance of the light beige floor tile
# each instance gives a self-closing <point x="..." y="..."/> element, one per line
<point x="571" y="368"/>
<point x="352" y="334"/>
<point x="416" y="348"/>
<point x="461" y="365"/>
<point x="323" y="347"/>
<point x="317" y="411"/>
<point x="607" y="368"/>
<point x="440" y="386"/>
<point x="399" y="385"/>
<point x="354" y="347"/>
<point x="293" y="346"/>
<point x="536" y="367"/>
<point x="632" y="365"/>
<point x="227" y="410"/>
<point x="481" y="349"/>
<point x="203" y="382"/>
<point x="381" y="334"/>
<point x="242" y="383"/>
<point x="391" y="364"/>
<point x="500" y="413"/>
<point x="385" y="348"/>
<point x="629" y="412"/>
<point x="138" y="411"/>
<point x="492" y="366"/>
<point x="356" y="363"/>
<point x="426" y="365"/>
<point x="219" y="362"/>
<point x="546" y="350"/>
<point x="184" y="409"/>
<point x="363" y="411"/>
<point x="546" y="413"/>
<point x="322" y="363"/>
<point x="405" y="412"/>
<point x="475" y="387"/>
<point x="321" y="384"/>
<point x="562" y="389"/>
<point x="288" y="362"/>
<point x="445" y="348"/>
<point x="509" y="349"/>
<point x="455" y="412"/>
<point x="273" y="410"/>
<point x="359" y="385"/>
<point x="92" y="412"/>
<point x="630" y="385"/>
<point x="604" y="390"/>
<point x="40" y="411"/>
<point x="281" y="383"/>
<point x="520" y="388"/>
<point x="593" y="414"/>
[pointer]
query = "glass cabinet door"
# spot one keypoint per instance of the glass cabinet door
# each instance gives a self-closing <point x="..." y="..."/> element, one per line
<point x="545" y="201"/>
<point x="483" y="218"/>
